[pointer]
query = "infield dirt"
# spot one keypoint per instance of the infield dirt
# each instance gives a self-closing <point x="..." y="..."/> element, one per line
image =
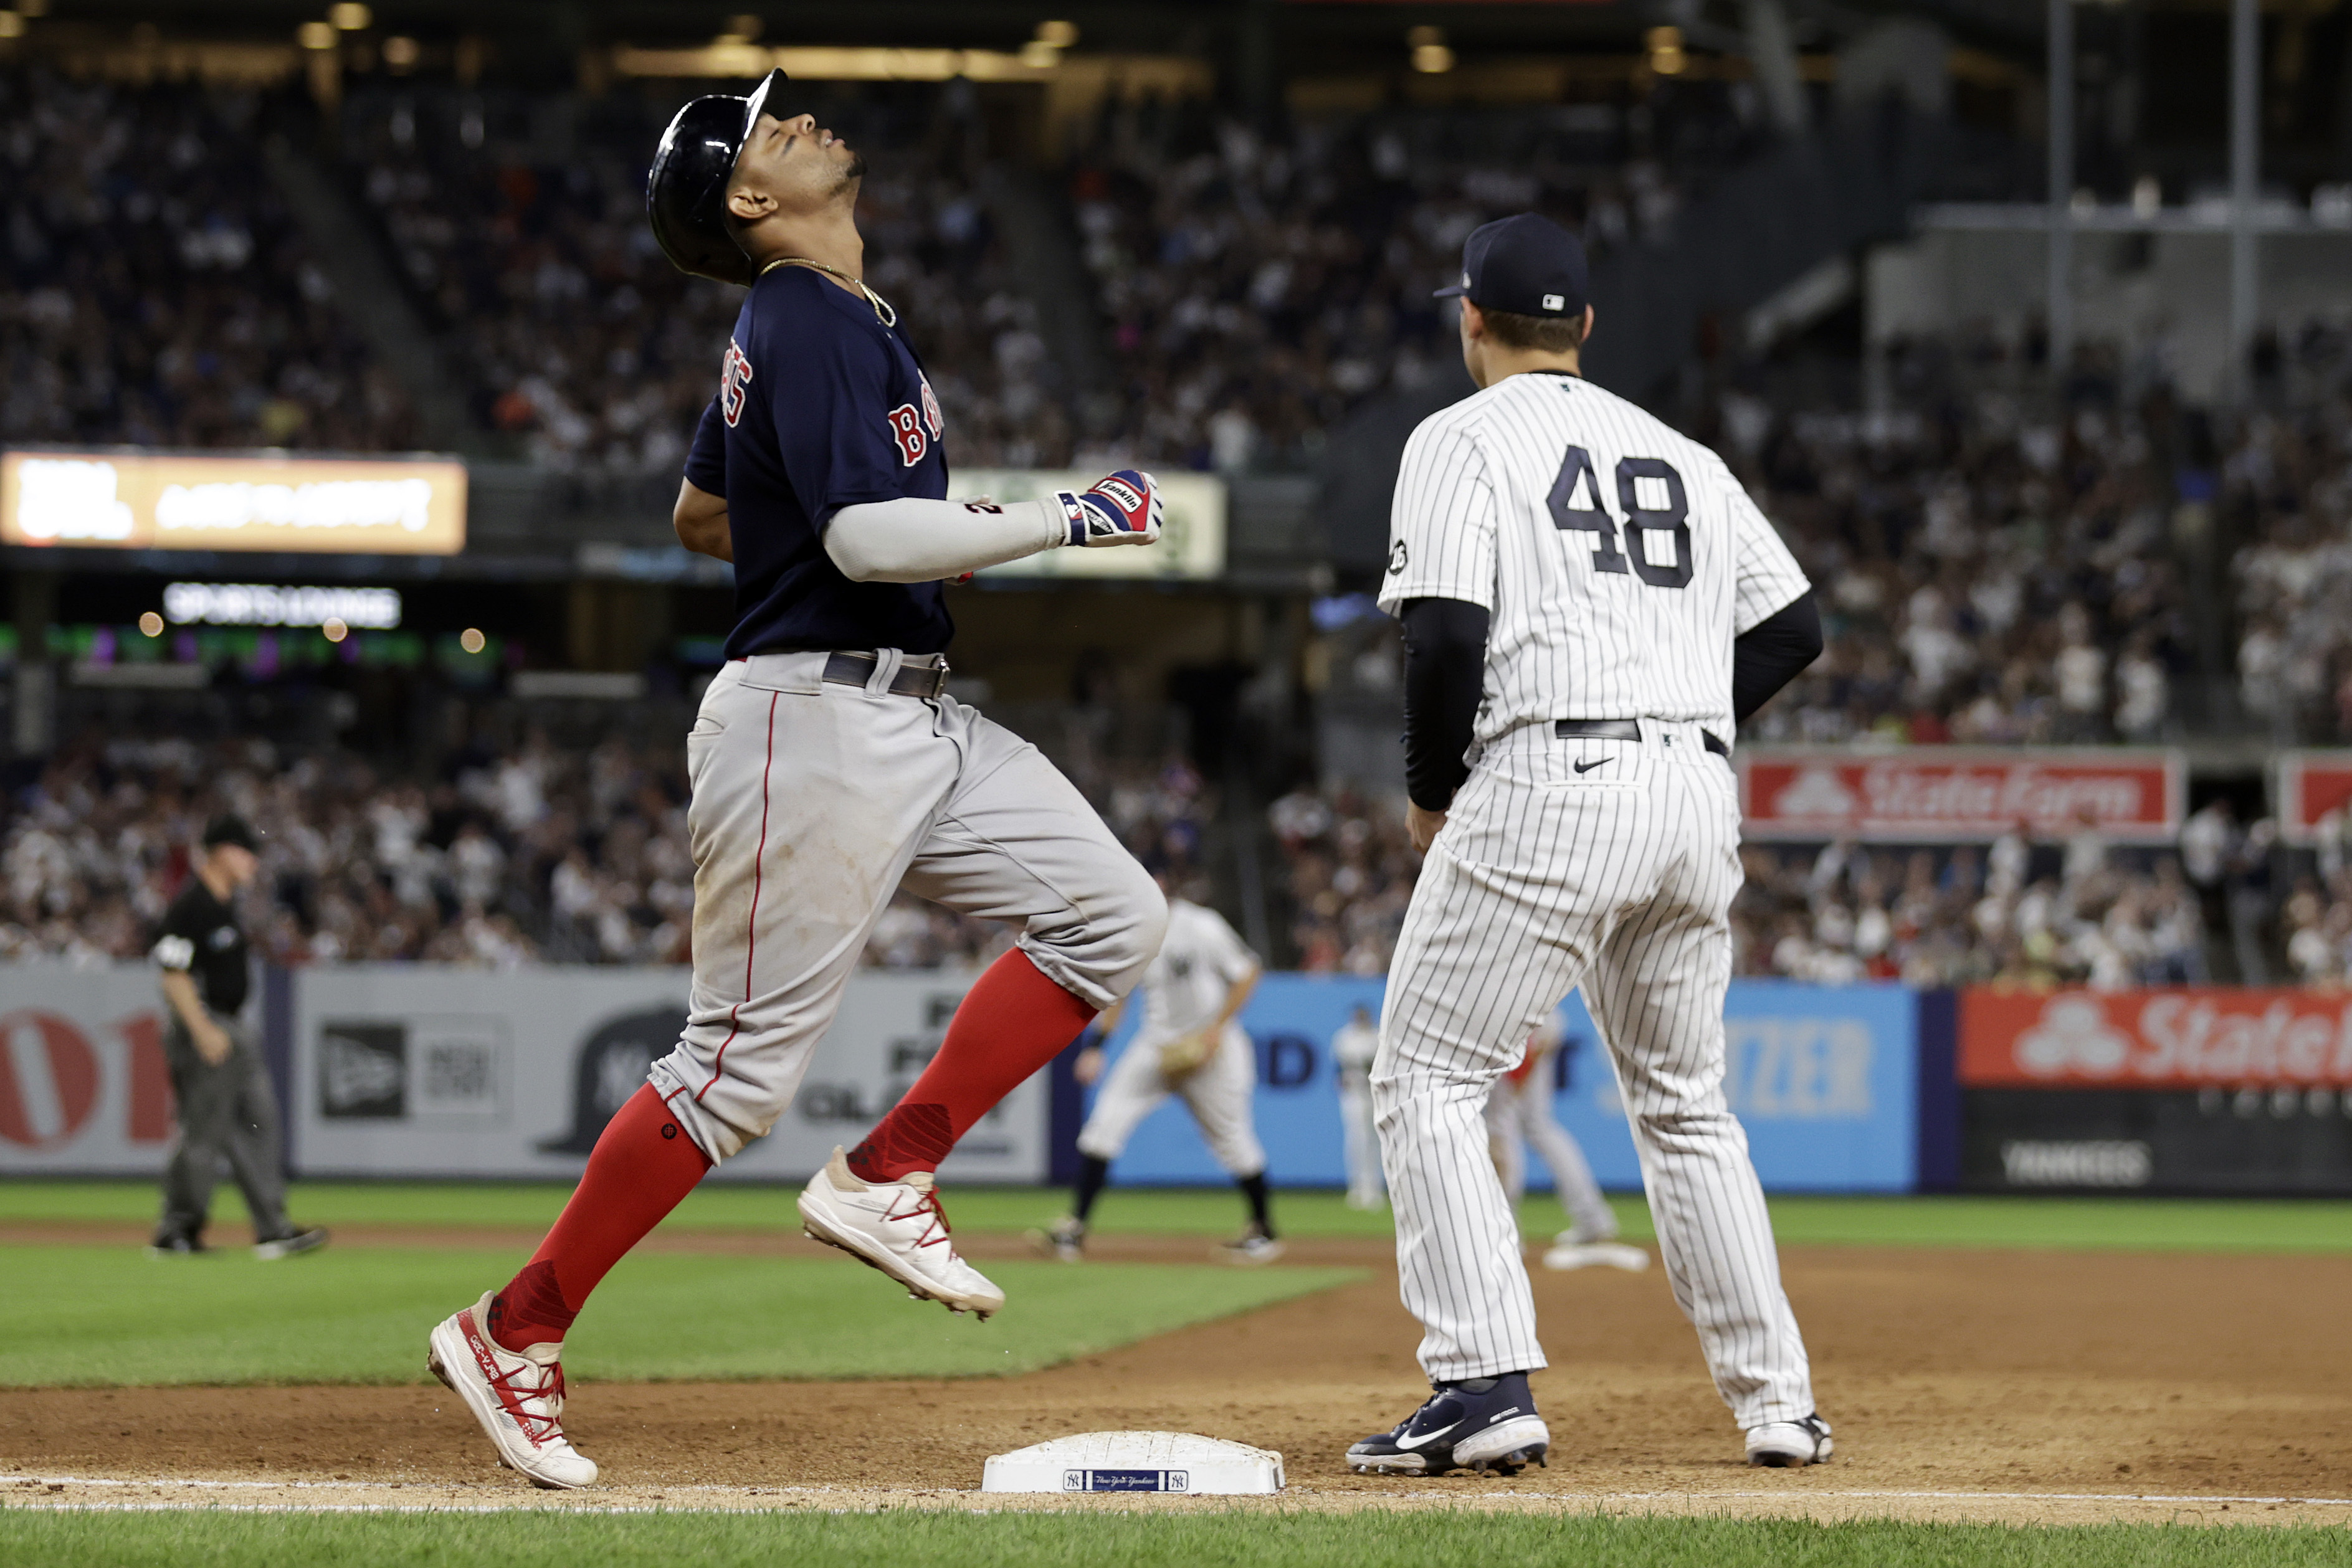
<point x="1944" y="1371"/>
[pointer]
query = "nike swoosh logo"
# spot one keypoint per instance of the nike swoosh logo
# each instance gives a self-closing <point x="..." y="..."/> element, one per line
<point x="1589" y="767"/>
<point x="1409" y="1443"/>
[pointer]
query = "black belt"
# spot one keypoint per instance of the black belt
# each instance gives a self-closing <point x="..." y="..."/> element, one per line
<point x="913" y="680"/>
<point x="1621" y="729"/>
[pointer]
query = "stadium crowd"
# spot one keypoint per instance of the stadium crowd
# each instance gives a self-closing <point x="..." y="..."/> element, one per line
<point x="504" y="855"/>
<point x="2287" y="490"/>
<point x="154" y="291"/>
<point x="1257" y="288"/>
<point x="534" y="852"/>
<point x="580" y="340"/>
<point x="1988" y="573"/>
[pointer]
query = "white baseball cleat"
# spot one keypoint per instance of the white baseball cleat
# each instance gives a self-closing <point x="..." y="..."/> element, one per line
<point x="519" y="1399"/>
<point x="897" y="1227"/>
<point x="1252" y="1246"/>
<point x="1789" y="1445"/>
<point x="1065" y="1240"/>
<point x="1596" y="1255"/>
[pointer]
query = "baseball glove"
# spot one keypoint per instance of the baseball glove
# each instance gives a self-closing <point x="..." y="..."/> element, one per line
<point x="1187" y="1054"/>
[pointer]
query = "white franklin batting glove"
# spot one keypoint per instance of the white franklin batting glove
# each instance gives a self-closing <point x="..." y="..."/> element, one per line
<point x="1120" y="509"/>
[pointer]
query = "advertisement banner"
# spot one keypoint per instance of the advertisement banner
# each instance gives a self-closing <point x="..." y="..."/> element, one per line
<point x="1824" y="1079"/>
<point x="119" y="499"/>
<point x="1940" y="794"/>
<point x="2185" y="1039"/>
<point x="83" y="1090"/>
<point x="413" y="1071"/>
<point x="2312" y="787"/>
<point x="2278" y="1141"/>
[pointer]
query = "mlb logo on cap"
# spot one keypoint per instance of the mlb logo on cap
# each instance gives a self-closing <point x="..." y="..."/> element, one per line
<point x="1526" y="266"/>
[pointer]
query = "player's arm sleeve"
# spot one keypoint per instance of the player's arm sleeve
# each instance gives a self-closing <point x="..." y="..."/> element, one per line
<point x="706" y="460"/>
<point x="912" y="540"/>
<point x="1441" y="523"/>
<point x="1772" y="653"/>
<point x="1445" y="675"/>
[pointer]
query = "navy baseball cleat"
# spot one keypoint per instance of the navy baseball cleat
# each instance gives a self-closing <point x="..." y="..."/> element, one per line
<point x="1480" y="1424"/>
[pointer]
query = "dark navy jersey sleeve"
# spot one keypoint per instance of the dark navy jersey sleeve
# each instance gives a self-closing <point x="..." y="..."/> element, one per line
<point x="706" y="460"/>
<point x="823" y="406"/>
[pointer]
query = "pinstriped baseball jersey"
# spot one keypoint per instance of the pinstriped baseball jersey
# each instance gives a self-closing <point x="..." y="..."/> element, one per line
<point x="1618" y="560"/>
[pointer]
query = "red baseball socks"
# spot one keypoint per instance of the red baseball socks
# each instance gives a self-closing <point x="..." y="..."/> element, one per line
<point x="641" y="1167"/>
<point x="1013" y="1022"/>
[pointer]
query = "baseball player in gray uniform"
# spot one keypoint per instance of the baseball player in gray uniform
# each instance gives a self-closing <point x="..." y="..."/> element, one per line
<point x="1590" y="602"/>
<point x="1189" y="1044"/>
<point x="828" y="767"/>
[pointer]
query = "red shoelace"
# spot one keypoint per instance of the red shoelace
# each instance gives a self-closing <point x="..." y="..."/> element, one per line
<point x="512" y="1392"/>
<point x="928" y="1203"/>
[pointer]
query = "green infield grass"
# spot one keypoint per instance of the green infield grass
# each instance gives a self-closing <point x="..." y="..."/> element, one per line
<point x="96" y="1316"/>
<point x="2105" y="1224"/>
<point x="922" y="1539"/>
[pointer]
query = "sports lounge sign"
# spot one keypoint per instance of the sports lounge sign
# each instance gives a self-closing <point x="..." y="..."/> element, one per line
<point x="1936" y="794"/>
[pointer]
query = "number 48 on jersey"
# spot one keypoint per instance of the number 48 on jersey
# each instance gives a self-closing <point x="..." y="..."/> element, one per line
<point x="1578" y="483"/>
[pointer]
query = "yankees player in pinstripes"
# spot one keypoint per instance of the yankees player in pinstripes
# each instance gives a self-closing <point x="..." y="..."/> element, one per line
<point x="1591" y="603"/>
<point x="828" y="765"/>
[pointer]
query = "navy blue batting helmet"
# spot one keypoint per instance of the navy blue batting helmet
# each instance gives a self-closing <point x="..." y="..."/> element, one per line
<point x="686" y="191"/>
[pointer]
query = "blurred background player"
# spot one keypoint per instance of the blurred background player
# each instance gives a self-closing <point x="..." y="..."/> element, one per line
<point x="221" y="1095"/>
<point x="1519" y="1113"/>
<point x="1189" y="1045"/>
<point x="1351" y="1056"/>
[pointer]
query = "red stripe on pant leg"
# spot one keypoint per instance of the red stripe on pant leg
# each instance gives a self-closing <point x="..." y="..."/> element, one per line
<point x="752" y="923"/>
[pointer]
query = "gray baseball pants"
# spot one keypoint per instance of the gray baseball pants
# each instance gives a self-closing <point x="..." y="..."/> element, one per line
<point x="227" y="1112"/>
<point x="812" y="803"/>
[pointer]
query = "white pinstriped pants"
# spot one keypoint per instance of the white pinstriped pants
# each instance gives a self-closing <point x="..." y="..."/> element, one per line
<point x="1619" y="879"/>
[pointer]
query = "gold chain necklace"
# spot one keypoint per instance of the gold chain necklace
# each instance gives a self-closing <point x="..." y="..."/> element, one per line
<point x="882" y="311"/>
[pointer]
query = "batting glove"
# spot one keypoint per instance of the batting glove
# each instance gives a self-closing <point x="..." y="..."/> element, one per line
<point x="1121" y="508"/>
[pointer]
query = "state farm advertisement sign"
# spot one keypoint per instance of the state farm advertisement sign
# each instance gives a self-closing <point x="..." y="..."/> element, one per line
<point x="2154" y="1039"/>
<point x="2312" y="786"/>
<point x="1936" y="794"/>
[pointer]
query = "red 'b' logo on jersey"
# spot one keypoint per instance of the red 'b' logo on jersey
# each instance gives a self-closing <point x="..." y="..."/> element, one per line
<point x="907" y="430"/>
<point x="734" y="375"/>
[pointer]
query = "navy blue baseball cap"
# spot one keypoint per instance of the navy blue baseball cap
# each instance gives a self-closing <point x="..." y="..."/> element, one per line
<point x="1527" y="265"/>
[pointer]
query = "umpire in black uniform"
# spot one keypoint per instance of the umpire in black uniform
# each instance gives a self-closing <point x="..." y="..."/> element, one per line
<point x="226" y="1107"/>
